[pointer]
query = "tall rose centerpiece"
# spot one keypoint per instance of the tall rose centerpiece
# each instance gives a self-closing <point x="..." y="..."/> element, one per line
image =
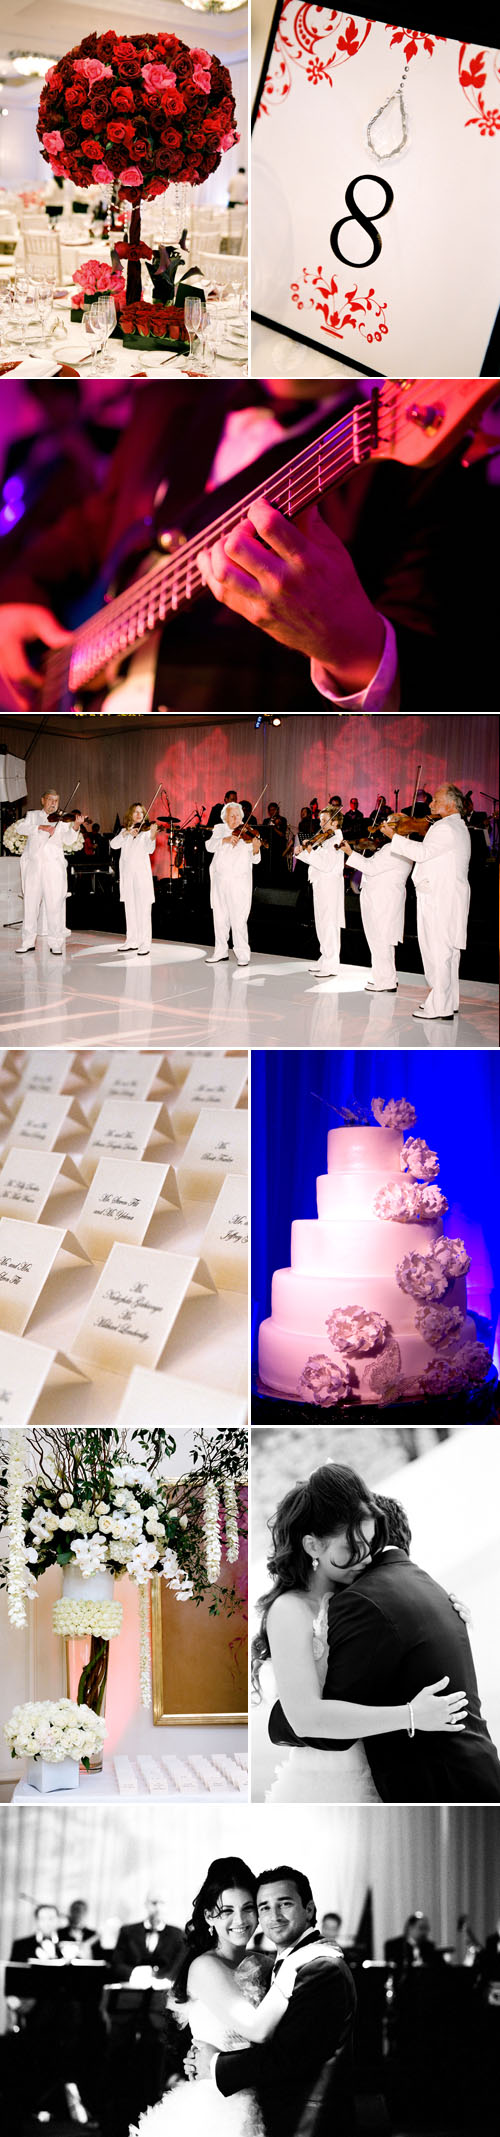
<point x="145" y="111"/>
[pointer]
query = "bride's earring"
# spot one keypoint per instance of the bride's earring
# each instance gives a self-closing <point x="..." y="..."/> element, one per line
<point x="315" y="1564"/>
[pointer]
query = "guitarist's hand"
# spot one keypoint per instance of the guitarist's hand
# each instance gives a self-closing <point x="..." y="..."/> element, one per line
<point x="20" y="622"/>
<point x="302" y="588"/>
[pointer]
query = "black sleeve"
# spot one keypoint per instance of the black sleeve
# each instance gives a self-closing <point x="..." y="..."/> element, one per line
<point x="312" y="2028"/>
<point x="122" y="1959"/>
<point x="239" y="2069"/>
<point x="362" y="1645"/>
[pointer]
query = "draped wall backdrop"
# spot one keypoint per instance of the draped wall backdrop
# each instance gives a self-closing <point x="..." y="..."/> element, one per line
<point x="445" y="1861"/>
<point x="317" y="754"/>
<point x="456" y="1098"/>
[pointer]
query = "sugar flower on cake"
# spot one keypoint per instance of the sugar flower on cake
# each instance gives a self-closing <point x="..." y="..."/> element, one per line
<point x="438" y="1324"/>
<point x="452" y="1376"/>
<point x="452" y="1256"/>
<point x="353" y="1330"/>
<point x="417" y="1158"/>
<point x="409" y="1202"/>
<point x="396" y="1113"/>
<point x="326" y="1381"/>
<point x="422" y="1276"/>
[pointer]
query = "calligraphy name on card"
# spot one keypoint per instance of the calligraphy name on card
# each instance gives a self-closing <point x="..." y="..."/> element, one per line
<point x="29" y="1177"/>
<point x="213" y="1082"/>
<point x="27" y="1255"/>
<point x="24" y="1369"/>
<point x="41" y="1120"/>
<point x="124" y="1129"/>
<point x="217" y="1147"/>
<point x="164" y="1400"/>
<point x="47" y="1072"/>
<point x="120" y="1204"/>
<point x="133" y="1308"/>
<point x="128" y="1078"/>
<point x="224" y="1246"/>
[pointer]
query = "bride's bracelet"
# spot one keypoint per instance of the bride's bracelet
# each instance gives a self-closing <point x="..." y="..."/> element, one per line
<point x="411" y="1719"/>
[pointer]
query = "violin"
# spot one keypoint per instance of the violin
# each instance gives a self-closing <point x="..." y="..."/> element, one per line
<point x="321" y="837"/>
<point x="408" y="825"/>
<point x="247" y="836"/>
<point x="65" y="816"/>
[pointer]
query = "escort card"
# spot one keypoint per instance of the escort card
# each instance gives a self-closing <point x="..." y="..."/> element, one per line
<point x="27" y="1255"/>
<point x="28" y="1178"/>
<point x="120" y="1204"/>
<point x="375" y="193"/>
<point x="224" y="1246"/>
<point x="212" y="1082"/>
<point x="217" y="1147"/>
<point x="180" y="1060"/>
<point x="124" y="1130"/>
<point x="178" y="1404"/>
<point x="129" y="1077"/>
<point x="24" y="1370"/>
<point x="48" y="1071"/>
<point x="134" y="1306"/>
<point x="40" y="1120"/>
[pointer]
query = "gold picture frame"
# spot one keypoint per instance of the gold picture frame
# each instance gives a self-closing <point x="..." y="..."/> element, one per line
<point x="200" y="1664"/>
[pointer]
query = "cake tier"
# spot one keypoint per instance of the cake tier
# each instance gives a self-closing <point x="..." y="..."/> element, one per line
<point x="342" y="1195"/>
<point x="365" y="1150"/>
<point x="285" y="1352"/>
<point x="304" y="1301"/>
<point x="365" y="1246"/>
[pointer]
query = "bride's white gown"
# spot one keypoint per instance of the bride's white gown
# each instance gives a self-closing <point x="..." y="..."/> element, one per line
<point x="198" y="2109"/>
<point x="308" y="1776"/>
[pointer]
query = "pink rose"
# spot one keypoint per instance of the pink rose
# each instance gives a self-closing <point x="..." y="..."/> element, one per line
<point x="201" y="80"/>
<point x="204" y="58"/>
<point x="93" y="70"/>
<point x="101" y="175"/>
<point x="59" y="170"/>
<point x="53" y="143"/>
<point x="131" y="177"/>
<point x="158" y="77"/>
<point x="228" y="140"/>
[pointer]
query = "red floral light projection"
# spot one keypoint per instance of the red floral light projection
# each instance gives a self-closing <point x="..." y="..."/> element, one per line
<point x="146" y="111"/>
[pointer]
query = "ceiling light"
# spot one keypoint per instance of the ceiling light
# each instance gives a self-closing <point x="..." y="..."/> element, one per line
<point x="27" y="63"/>
<point x="214" y="7"/>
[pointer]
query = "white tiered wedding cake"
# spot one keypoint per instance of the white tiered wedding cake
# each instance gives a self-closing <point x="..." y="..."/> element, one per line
<point x="374" y="1306"/>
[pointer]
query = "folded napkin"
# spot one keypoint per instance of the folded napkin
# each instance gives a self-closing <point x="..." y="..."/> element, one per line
<point x="34" y="366"/>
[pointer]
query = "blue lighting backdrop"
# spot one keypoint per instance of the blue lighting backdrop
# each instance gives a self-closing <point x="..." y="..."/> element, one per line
<point x="456" y="1099"/>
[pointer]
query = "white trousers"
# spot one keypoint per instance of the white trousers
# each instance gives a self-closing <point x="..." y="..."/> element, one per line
<point x="440" y="959"/>
<point x="382" y="952"/>
<point x="45" y="893"/>
<point x="328" y="905"/>
<point x="138" y="915"/>
<point x="230" y="907"/>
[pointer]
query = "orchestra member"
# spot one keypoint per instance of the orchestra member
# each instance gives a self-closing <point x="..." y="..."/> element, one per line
<point x="216" y="812"/>
<point x="381" y="807"/>
<point x="274" y="834"/>
<point x="443" y="896"/>
<point x="137" y="890"/>
<point x="353" y="823"/>
<point x="326" y="873"/>
<point x="382" y="905"/>
<point x="44" y="874"/>
<point x="231" y="884"/>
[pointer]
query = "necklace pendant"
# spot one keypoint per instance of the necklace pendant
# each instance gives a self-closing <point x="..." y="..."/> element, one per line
<point x="387" y="132"/>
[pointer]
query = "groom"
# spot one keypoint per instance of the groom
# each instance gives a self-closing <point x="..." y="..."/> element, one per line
<point x="308" y="2061"/>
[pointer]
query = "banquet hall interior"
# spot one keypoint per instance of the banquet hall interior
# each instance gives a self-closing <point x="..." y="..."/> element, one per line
<point x="417" y="1892"/>
<point x="58" y="235"/>
<point x="281" y="769"/>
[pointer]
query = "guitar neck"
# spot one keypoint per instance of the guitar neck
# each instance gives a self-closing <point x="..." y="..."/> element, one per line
<point x="175" y="581"/>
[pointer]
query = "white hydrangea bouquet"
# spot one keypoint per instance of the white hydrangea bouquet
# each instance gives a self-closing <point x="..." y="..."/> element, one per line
<point x="54" y="1733"/>
<point x="100" y="1504"/>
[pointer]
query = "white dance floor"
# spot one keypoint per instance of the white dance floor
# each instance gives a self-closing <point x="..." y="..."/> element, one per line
<point x="93" y="997"/>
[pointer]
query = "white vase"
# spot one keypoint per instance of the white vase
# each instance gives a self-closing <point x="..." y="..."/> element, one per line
<point x="47" y="1778"/>
<point x="98" y="1588"/>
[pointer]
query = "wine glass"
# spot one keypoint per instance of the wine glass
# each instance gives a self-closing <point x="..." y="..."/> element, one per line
<point x="99" y="320"/>
<point x="193" y="309"/>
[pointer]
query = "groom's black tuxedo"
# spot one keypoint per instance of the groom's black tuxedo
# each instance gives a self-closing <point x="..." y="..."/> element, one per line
<point x="316" y="2031"/>
<point x="392" y="1632"/>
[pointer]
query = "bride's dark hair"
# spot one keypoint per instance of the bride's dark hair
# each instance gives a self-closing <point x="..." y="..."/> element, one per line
<point x="227" y="1874"/>
<point x="332" y="1498"/>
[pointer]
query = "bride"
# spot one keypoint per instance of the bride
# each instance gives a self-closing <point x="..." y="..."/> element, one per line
<point x="221" y="1995"/>
<point x="324" y="1532"/>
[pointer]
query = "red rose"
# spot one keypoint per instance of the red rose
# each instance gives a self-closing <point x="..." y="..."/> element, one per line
<point x="75" y="97"/>
<point x="119" y="131"/>
<point x="100" y="105"/>
<point x="87" y="121"/>
<point x="92" y="149"/>
<point x="122" y="99"/>
<point x="71" y="138"/>
<point x="130" y="69"/>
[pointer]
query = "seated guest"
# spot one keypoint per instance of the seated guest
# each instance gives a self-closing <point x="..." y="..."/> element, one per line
<point x="216" y="812"/>
<point x="353" y="823"/>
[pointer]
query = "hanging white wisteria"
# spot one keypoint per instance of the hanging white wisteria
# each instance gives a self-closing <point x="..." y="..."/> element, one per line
<point x="144" y="1647"/>
<point x="18" y="1577"/>
<point x="231" y="1514"/>
<point x="213" y="1552"/>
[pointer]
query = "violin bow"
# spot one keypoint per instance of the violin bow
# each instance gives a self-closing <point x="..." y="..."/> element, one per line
<point x="415" y="790"/>
<point x="255" y="804"/>
<point x="158" y="790"/>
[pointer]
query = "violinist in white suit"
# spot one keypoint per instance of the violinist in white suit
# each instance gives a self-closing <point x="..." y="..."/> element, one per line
<point x="441" y="879"/>
<point x="326" y="873"/>
<point x="382" y="904"/>
<point x="231" y="882"/>
<point x="135" y="845"/>
<point x="44" y="846"/>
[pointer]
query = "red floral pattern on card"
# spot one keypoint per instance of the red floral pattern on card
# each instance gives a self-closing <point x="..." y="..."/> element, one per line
<point x="315" y="40"/>
<point x="474" y="71"/>
<point x="416" y="39"/>
<point x="339" y="309"/>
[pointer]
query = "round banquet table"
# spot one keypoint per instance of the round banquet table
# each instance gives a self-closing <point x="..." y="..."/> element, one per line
<point x="69" y="345"/>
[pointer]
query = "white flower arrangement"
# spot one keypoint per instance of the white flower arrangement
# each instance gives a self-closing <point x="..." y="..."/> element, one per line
<point x="73" y="1619"/>
<point x="439" y="1324"/>
<point x="327" y="1381"/>
<point x="397" y="1113"/>
<point x="54" y="1730"/>
<point x="417" y="1158"/>
<point x="19" y="1584"/>
<point x="353" y="1330"/>
<point x="211" y="1531"/>
<point x="231" y="1521"/>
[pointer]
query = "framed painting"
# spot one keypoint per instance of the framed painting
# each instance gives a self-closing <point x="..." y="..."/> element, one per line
<point x="200" y="1663"/>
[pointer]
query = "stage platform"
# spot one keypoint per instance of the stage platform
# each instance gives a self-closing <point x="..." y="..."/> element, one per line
<point x="93" y="997"/>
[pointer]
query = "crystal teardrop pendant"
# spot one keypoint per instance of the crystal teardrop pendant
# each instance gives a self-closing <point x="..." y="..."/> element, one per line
<point x="387" y="132"/>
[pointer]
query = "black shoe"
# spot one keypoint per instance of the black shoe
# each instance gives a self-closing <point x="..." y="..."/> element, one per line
<point x="56" y="953"/>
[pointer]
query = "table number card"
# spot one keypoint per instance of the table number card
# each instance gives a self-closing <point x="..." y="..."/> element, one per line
<point x="28" y="1179"/>
<point x="134" y="1306"/>
<point x="217" y="1147"/>
<point x="216" y="1082"/>
<point x="120" y="1204"/>
<point x="128" y="1077"/>
<point x="123" y="1130"/>
<point x="224" y="1246"/>
<point x="41" y="1120"/>
<point x="27" y="1255"/>
<point x="25" y="1369"/>
<point x="376" y="192"/>
<point x="165" y="1400"/>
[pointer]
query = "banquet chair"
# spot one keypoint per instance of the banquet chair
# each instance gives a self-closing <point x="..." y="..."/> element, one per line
<point x="41" y="252"/>
<point x="225" y="267"/>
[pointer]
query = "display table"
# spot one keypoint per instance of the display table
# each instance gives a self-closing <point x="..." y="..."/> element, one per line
<point x="11" y="908"/>
<point x="131" y="1779"/>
